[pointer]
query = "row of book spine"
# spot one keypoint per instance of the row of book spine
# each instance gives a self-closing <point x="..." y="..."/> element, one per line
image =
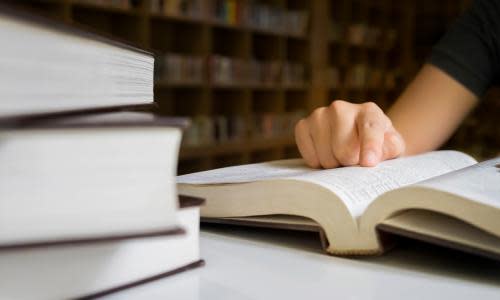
<point x="123" y="4"/>
<point x="206" y="130"/>
<point x="363" y="34"/>
<point x="265" y="17"/>
<point x="176" y="68"/>
<point x="251" y="14"/>
<point x="362" y="76"/>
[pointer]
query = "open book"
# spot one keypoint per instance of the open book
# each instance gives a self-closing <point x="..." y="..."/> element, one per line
<point x="443" y="197"/>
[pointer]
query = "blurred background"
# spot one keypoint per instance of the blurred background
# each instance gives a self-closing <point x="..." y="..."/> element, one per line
<point x="246" y="70"/>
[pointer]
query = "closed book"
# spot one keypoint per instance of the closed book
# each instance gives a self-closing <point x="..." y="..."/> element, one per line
<point x="93" y="270"/>
<point x="49" y="66"/>
<point x="75" y="179"/>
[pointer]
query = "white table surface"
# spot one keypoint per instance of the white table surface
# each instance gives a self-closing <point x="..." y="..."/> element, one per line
<point x="246" y="263"/>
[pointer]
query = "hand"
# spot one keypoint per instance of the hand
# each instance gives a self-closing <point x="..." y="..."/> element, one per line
<point x="347" y="134"/>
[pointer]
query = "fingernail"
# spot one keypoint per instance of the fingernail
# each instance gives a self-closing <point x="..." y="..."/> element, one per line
<point x="370" y="158"/>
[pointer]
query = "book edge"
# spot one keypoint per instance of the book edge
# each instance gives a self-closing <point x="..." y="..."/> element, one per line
<point x="322" y="235"/>
<point x="191" y="266"/>
<point x="91" y="240"/>
<point x="184" y="202"/>
<point x="260" y="224"/>
<point x="52" y="120"/>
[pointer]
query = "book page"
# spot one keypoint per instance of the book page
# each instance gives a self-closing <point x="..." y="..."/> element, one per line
<point x="356" y="186"/>
<point x="248" y="173"/>
<point x="480" y="182"/>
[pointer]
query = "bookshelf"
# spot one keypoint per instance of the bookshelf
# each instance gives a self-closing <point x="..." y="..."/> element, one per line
<point x="245" y="71"/>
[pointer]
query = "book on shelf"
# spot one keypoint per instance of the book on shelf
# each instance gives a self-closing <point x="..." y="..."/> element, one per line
<point x="443" y="197"/>
<point x="197" y="9"/>
<point x="367" y="35"/>
<point x="54" y="67"/>
<point x="250" y="14"/>
<point x="274" y="18"/>
<point x="361" y="76"/>
<point x="102" y="268"/>
<point x="293" y="74"/>
<point x="180" y="69"/>
<point x="103" y="176"/>
<point x="206" y="130"/>
<point x="234" y="71"/>
<point x="332" y="77"/>
<point x="121" y="4"/>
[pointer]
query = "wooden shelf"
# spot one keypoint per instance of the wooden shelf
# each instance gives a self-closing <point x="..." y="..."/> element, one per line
<point x="233" y="86"/>
<point x="180" y="84"/>
<point x="106" y="8"/>
<point x="179" y="18"/>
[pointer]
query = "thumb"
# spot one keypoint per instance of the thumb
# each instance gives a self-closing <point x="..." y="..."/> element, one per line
<point x="393" y="146"/>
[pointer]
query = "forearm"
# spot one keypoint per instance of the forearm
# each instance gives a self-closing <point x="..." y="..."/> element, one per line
<point x="430" y="109"/>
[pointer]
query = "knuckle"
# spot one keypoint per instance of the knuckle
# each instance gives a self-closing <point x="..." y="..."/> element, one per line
<point x="341" y="110"/>
<point x="370" y="104"/>
<point x="371" y="107"/>
<point x="317" y="115"/>
<point x="338" y="105"/>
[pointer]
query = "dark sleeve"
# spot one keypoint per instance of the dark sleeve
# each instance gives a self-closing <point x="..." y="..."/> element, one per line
<point x="470" y="51"/>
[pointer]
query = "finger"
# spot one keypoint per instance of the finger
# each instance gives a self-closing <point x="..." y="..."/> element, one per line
<point x="305" y="144"/>
<point x="371" y="125"/>
<point x="394" y="145"/>
<point x="345" y="142"/>
<point x="321" y="135"/>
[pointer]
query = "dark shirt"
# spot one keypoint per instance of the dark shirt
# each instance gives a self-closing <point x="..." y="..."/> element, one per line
<point x="470" y="51"/>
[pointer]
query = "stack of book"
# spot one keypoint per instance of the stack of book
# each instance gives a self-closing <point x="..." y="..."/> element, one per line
<point x="87" y="173"/>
